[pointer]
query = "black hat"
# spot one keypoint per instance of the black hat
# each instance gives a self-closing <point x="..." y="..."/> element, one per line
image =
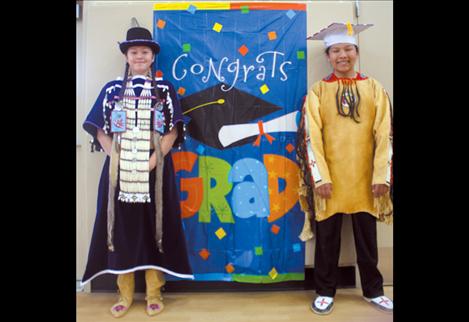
<point x="138" y="36"/>
<point x="212" y="108"/>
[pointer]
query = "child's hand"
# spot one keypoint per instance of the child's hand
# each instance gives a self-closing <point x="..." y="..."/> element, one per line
<point x="324" y="191"/>
<point x="379" y="190"/>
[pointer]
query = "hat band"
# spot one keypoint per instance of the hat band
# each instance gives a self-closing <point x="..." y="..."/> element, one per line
<point x="139" y="40"/>
<point x="339" y="39"/>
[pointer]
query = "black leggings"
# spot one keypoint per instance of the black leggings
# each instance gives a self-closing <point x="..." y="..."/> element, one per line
<point x="326" y="258"/>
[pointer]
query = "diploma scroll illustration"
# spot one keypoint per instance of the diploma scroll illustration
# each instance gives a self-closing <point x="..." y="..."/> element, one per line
<point x="230" y="134"/>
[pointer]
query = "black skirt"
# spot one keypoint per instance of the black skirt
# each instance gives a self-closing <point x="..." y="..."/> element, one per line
<point x="134" y="232"/>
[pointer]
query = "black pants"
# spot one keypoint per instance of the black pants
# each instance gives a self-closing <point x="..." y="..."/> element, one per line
<point x="326" y="258"/>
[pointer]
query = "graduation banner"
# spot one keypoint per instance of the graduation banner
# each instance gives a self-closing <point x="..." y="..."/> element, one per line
<point x="239" y="69"/>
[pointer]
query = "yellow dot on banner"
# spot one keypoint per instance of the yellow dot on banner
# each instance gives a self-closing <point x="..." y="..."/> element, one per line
<point x="161" y="23"/>
<point x="217" y="27"/>
<point x="272" y="35"/>
<point x="264" y="89"/>
<point x="273" y="273"/>
<point x="220" y="233"/>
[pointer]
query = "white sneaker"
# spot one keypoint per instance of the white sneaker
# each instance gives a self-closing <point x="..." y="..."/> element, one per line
<point x="382" y="303"/>
<point x="322" y="305"/>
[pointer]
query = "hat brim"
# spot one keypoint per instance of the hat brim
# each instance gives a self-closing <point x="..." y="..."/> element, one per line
<point x="125" y="45"/>
<point x="338" y="28"/>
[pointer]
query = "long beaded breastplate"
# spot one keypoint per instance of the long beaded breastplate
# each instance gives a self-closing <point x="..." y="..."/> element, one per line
<point x="135" y="145"/>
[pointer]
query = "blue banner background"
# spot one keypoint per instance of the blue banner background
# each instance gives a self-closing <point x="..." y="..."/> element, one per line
<point x="283" y="251"/>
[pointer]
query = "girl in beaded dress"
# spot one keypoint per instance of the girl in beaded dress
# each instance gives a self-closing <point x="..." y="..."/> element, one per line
<point x="136" y="121"/>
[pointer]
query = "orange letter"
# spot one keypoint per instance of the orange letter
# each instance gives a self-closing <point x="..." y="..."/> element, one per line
<point x="281" y="202"/>
<point x="193" y="186"/>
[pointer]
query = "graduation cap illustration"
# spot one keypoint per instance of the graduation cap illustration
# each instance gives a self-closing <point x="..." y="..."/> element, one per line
<point x="227" y="119"/>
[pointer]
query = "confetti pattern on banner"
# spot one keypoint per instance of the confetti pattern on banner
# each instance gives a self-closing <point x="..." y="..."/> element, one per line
<point x="217" y="27"/>
<point x="290" y="14"/>
<point x="229" y="268"/>
<point x="220" y="233"/>
<point x="200" y="149"/>
<point x="258" y="251"/>
<point x="204" y="254"/>
<point x="300" y="54"/>
<point x="290" y="148"/>
<point x="296" y="247"/>
<point x="161" y="23"/>
<point x="264" y="89"/>
<point x="240" y="91"/>
<point x="273" y="273"/>
<point x="275" y="229"/>
<point x="243" y="50"/>
<point x="186" y="48"/>
<point x="181" y="90"/>
<point x="191" y="9"/>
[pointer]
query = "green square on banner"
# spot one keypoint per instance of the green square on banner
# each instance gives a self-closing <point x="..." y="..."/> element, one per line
<point x="258" y="250"/>
<point x="244" y="9"/>
<point x="300" y="54"/>
<point x="186" y="48"/>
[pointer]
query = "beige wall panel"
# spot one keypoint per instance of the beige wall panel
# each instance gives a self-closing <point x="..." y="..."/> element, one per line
<point x="82" y="228"/>
<point x="376" y="43"/>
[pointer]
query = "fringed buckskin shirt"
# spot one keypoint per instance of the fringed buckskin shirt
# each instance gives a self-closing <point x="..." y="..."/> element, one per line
<point x="351" y="154"/>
